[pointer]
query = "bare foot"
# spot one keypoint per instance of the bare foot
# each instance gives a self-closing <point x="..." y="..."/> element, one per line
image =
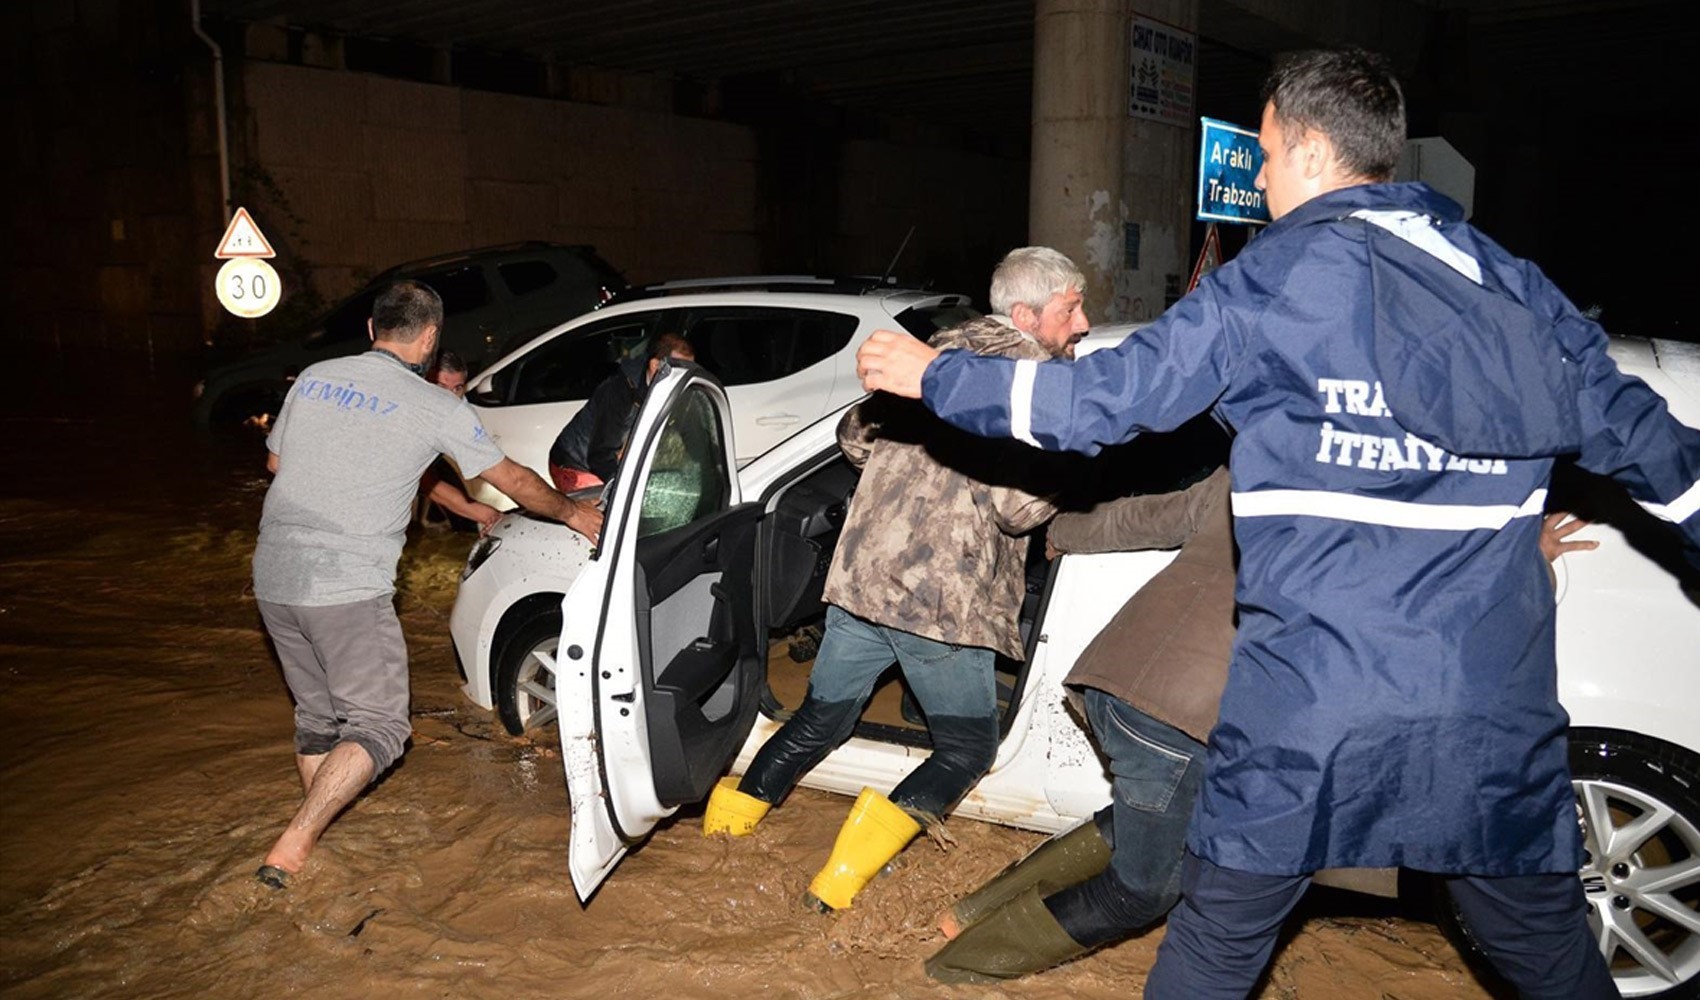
<point x="948" y="925"/>
<point x="291" y="850"/>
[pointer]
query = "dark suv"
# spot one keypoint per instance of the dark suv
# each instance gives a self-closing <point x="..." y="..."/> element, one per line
<point x="494" y="300"/>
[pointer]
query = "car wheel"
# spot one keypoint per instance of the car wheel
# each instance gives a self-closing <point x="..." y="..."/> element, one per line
<point x="1638" y="800"/>
<point x="524" y="675"/>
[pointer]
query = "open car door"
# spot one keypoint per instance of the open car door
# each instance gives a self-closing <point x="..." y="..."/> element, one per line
<point x="661" y="660"/>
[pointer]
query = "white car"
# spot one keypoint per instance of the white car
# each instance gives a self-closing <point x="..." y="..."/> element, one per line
<point x="783" y="347"/>
<point x="668" y="669"/>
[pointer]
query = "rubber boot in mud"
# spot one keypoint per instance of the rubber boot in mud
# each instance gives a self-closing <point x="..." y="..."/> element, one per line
<point x="1017" y="938"/>
<point x="872" y="835"/>
<point x="1069" y="858"/>
<point x="731" y="811"/>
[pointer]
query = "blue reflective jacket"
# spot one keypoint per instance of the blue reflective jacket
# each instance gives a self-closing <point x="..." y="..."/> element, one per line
<point x="1397" y="384"/>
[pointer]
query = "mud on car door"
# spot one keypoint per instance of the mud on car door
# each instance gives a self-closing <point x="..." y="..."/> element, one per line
<point x="660" y="665"/>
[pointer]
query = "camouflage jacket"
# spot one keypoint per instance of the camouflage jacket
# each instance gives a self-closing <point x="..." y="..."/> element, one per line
<point x="935" y="540"/>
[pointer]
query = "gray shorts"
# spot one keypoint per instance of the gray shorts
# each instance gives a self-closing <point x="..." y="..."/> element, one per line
<point x="346" y="666"/>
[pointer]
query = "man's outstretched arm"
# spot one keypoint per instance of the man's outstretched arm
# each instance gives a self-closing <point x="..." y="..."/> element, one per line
<point x="1153" y="381"/>
<point x="529" y="490"/>
<point x="450" y="498"/>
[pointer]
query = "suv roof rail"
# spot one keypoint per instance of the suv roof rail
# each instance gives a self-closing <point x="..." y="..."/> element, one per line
<point x="449" y="258"/>
<point x="844" y="285"/>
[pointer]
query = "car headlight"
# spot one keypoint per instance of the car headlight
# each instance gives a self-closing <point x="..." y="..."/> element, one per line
<point x="482" y="550"/>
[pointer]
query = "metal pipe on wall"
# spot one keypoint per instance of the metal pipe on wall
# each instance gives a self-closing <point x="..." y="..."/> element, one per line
<point x="218" y="109"/>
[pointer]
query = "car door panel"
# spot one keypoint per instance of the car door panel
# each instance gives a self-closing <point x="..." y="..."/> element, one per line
<point x="660" y="668"/>
<point x="703" y="669"/>
<point x="770" y="412"/>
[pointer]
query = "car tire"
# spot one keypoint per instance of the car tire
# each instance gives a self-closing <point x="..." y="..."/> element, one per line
<point x="1645" y="794"/>
<point x="523" y="683"/>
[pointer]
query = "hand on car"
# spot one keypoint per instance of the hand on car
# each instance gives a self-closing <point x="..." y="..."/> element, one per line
<point x="1555" y="529"/>
<point x="586" y="519"/>
<point x="893" y="362"/>
<point x="484" y="515"/>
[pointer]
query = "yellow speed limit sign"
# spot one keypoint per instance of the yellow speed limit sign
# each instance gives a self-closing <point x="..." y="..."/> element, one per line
<point x="248" y="286"/>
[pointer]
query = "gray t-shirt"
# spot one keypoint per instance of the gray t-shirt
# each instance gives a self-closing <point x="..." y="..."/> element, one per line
<point x="353" y="438"/>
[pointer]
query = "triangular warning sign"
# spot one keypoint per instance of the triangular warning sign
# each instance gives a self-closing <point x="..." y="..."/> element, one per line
<point x="1209" y="259"/>
<point x="243" y="239"/>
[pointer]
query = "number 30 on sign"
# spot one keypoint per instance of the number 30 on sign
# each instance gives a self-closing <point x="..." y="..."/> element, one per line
<point x="248" y="287"/>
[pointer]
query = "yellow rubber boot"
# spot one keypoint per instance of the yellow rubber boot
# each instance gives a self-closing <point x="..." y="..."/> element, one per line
<point x="873" y="834"/>
<point x="731" y="811"/>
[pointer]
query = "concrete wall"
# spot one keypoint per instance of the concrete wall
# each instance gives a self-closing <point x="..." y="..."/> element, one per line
<point x="115" y="211"/>
<point x="361" y="172"/>
<point x="374" y="171"/>
<point x="106" y="195"/>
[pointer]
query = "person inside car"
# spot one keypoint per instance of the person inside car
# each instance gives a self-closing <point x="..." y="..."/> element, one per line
<point x="588" y="449"/>
<point x="929" y="571"/>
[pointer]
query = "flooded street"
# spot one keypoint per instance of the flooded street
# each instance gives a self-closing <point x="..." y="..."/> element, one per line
<point x="147" y="767"/>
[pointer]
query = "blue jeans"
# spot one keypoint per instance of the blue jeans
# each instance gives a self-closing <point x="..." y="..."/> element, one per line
<point x="954" y="686"/>
<point x="1534" y="929"/>
<point x="1155" y="772"/>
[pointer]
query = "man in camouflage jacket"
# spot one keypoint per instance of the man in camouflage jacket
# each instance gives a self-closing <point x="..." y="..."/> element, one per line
<point x="929" y="572"/>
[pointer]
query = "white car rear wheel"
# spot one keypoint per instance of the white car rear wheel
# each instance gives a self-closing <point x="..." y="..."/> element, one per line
<point x="1638" y="802"/>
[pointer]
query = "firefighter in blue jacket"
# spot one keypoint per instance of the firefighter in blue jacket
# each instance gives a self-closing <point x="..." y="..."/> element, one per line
<point x="1398" y="385"/>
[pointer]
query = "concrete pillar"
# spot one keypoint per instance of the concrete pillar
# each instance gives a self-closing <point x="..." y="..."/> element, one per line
<point x="1079" y="114"/>
<point x="1159" y="187"/>
<point x="1095" y="170"/>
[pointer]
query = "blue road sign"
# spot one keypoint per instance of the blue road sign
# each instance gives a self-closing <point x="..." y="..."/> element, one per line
<point x="1228" y="162"/>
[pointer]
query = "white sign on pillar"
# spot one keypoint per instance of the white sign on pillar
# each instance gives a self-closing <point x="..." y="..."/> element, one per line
<point x="1162" y="71"/>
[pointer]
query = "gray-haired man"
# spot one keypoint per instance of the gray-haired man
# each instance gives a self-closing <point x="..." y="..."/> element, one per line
<point x="928" y="572"/>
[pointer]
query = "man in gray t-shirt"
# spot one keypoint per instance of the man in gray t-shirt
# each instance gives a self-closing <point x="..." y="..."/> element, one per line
<point x="349" y="446"/>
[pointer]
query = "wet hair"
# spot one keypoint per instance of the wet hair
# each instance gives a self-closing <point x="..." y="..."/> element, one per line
<point x="668" y="344"/>
<point x="403" y="311"/>
<point x="449" y="361"/>
<point x="1348" y="95"/>
<point x="1030" y="276"/>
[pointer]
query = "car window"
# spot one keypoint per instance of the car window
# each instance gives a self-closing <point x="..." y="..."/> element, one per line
<point x="524" y="277"/>
<point x="569" y="366"/>
<point x="586" y="270"/>
<point x="347" y="321"/>
<point x="747" y="344"/>
<point x="924" y="321"/>
<point x="462" y="289"/>
<point x="688" y="477"/>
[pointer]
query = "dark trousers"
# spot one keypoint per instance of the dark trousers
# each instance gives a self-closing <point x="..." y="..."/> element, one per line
<point x="1533" y="927"/>
<point x="954" y="685"/>
<point x="1155" y="771"/>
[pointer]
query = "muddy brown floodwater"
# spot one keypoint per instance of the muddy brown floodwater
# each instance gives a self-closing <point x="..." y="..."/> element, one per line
<point x="147" y="766"/>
